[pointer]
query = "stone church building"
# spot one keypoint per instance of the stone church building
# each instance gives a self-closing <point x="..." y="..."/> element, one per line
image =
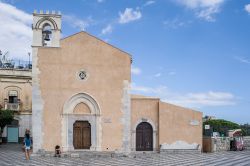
<point x="81" y="98"/>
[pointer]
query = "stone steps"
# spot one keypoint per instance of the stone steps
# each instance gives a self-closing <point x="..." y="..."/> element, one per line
<point x="92" y="154"/>
<point x="83" y="154"/>
<point x="95" y="154"/>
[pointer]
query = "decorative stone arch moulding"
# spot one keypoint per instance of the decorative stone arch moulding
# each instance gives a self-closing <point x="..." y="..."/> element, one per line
<point x="69" y="118"/>
<point x="85" y="98"/>
<point x="46" y="20"/>
<point x="12" y="88"/>
<point x="133" y="134"/>
<point x="145" y="120"/>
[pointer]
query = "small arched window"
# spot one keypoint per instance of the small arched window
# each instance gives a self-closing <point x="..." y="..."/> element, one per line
<point x="46" y="34"/>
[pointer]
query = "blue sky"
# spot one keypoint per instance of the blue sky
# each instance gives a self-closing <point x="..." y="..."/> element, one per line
<point x="194" y="53"/>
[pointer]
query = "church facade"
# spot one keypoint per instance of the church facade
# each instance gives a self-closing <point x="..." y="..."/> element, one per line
<point x="81" y="98"/>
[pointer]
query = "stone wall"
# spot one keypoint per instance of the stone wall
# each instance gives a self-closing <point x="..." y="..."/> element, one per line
<point x="216" y="144"/>
<point x="221" y="144"/>
<point x="247" y="142"/>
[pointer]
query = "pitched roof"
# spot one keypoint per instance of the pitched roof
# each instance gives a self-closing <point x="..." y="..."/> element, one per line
<point x="86" y="33"/>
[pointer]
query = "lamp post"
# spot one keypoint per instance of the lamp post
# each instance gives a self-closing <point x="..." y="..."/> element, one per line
<point x="29" y="60"/>
<point x="0" y="58"/>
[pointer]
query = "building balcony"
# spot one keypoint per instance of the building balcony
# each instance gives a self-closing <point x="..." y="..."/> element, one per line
<point x="12" y="106"/>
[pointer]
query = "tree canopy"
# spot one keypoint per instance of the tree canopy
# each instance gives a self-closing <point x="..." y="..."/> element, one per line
<point x="6" y="117"/>
<point x="220" y="125"/>
<point x="245" y="129"/>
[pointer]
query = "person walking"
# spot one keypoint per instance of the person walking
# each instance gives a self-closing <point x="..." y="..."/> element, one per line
<point x="27" y="145"/>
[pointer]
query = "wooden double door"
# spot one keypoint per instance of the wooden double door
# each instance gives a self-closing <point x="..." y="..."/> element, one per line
<point x="144" y="137"/>
<point x="82" y="135"/>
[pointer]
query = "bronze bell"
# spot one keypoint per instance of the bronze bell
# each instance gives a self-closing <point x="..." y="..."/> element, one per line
<point x="46" y="33"/>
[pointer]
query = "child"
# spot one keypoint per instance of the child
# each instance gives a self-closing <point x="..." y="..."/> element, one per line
<point x="57" y="151"/>
<point x="27" y="144"/>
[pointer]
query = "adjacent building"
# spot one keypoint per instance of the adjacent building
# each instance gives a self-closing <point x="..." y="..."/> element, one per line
<point x="15" y="95"/>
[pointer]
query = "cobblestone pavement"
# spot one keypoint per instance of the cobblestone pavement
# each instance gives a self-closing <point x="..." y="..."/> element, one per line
<point x="12" y="155"/>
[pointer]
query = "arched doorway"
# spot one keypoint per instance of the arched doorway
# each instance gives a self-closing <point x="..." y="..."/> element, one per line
<point x="82" y="135"/>
<point x="81" y="108"/>
<point x="144" y="137"/>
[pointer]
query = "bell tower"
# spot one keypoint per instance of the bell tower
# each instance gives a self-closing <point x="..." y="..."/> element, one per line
<point x="46" y="29"/>
<point x="46" y="34"/>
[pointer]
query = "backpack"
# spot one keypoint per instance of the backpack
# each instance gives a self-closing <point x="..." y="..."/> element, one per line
<point x="27" y="142"/>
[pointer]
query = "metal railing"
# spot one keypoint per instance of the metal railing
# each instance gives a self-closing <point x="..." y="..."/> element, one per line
<point x="12" y="106"/>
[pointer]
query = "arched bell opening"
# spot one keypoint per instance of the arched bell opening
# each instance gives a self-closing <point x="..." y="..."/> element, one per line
<point x="46" y="34"/>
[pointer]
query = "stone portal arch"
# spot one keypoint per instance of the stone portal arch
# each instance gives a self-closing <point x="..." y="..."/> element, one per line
<point x="69" y="118"/>
<point x="133" y="137"/>
<point x="144" y="137"/>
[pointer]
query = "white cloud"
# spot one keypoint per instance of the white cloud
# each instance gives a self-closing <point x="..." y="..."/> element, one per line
<point x="171" y="73"/>
<point x="247" y="8"/>
<point x="100" y="1"/>
<point x="108" y="29"/>
<point x="192" y="100"/>
<point x="15" y="31"/>
<point x="148" y="90"/>
<point x="176" y="23"/>
<point x="200" y="3"/>
<point x="242" y="59"/>
<point x="149" y="3"/>
<point x="76" y="22"/>
<point x="210" y="98"/>
<point x="129" y="15"/>
<point x="135" y="70"/>
<point x="204" y="9"/>
<point x="157" y="75"/>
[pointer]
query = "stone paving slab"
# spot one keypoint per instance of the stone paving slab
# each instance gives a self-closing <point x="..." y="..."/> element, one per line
<point x="11" y="155"/>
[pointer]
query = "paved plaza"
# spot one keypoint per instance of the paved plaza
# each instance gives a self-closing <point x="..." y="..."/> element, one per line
<point x="12" y="155"/>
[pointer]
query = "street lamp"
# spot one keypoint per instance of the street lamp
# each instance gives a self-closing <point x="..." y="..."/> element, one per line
<point x="1" y="58"/>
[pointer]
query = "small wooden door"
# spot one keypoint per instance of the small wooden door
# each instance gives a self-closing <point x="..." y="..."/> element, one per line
<point x="144" y="137"/>
<point x="82" y="135"/>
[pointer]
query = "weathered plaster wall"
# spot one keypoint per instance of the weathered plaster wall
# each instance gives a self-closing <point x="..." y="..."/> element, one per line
<point x="106" y="67"/>
<point x="179" y="124"/>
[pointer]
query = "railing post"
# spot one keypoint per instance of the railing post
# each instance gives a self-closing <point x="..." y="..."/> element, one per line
<point x="5" y="103"/>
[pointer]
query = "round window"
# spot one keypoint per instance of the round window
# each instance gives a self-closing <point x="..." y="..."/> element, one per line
<point x="82" y="75"/>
